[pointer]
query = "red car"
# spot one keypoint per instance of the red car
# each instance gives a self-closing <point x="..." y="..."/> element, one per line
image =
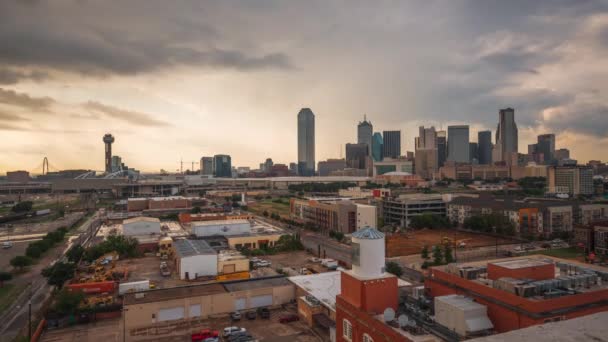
<point x="289" y="318"/>
<point x="204" y="334"/>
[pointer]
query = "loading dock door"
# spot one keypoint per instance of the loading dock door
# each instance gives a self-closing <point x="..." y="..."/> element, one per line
<point x="171" y="314"/>
<point x="229" y="269"/>
<point x="240" y="304"/>
<point x="258" y="301"/>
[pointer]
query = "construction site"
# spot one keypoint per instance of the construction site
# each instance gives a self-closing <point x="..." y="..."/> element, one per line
<point x="412" y="242"/>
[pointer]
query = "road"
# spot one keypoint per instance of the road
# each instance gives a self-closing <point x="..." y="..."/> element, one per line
<point x="16" y="317"/>
<point x="329" y="248"/>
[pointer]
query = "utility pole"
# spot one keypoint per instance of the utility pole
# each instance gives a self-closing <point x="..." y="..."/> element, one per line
<point x="29" y="324"/>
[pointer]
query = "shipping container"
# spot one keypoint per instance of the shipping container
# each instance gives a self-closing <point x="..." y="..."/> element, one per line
<point x="94" y="287"/>
<point x="133" y="286"/>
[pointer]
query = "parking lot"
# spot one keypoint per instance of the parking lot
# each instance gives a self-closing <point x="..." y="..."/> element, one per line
<point x="149" y="268"/>
<point x="269" y="330"/>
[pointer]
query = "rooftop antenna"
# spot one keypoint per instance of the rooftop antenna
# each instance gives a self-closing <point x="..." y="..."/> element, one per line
<point x="181" y="166"/>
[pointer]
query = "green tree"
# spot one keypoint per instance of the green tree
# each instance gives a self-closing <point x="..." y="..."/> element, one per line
<point x="393" y="268"/>
<point x="447" y="253"/>
<point x="5" y="276"/>
<point x="59" y="273"/>
<point x="75" y="253"/>
<point x="437" y="255"/>
<point x="21" y="261"/>
<point x="339" y="236"/>
<point x="67" y="301"/>
<point x="425" y="252"/>
<point x="196" y="210"/>
<point x="33" y="251"/>
<point x="22" y="207"/>
<point x="265" y="213"/>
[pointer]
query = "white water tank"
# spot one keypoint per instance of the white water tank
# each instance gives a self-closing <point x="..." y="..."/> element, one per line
<point x="368" y="253"/>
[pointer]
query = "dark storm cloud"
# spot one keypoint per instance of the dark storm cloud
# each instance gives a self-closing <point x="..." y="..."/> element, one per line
<point x="25" y="101"/>
<point x="132" y="117"/>
<point x="40" y="35"/>
<point x="588" y="119"/>
<point x="8" y="76"/>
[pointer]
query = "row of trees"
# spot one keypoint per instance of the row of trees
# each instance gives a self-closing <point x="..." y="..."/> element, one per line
<point x="441" y="255"/>
<point x="286" y="243"/>
<point x="490" y="223"/>
<point x="36" y="249"/>
<point x="339" y="236"/>
<point x="22" y="207"/>
<point x="126" y="247"/>
<point x="427" y="220"/>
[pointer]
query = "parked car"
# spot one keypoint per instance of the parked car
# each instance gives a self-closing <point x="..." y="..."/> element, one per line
<point x="228" y="331"/>
<point x="289" y="318"/>
<point x="205" y="335"/>
<point x="262" y="263"/>
<point x="251" y="315"/>
<point x="314" y="259"/>
<point x="212" y="339"/>
<point x="236" y="316"/>
<point x="264" y="313"/>
<point x="7" y="244"/>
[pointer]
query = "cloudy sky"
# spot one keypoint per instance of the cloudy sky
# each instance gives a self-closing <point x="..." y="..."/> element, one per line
<point x="183" y="79"/>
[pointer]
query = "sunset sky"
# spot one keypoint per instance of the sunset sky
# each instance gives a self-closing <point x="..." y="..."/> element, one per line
<point x="186" y="79"/>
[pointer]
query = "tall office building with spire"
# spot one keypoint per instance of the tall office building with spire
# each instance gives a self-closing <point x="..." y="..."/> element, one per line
<point x="365" y="131"/>
<point x="306" y="143"/>
<point x="506" y="136"/>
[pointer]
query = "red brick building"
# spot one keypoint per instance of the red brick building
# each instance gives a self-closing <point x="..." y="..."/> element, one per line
<point x="366" y="292"/>
<point x="520" y="308"/>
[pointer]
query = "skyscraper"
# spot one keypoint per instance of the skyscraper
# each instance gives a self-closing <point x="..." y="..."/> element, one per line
<point x="473" y="153"/>
<point x="364" y="134"/>
<point x="546" y="146"/>
<point x="426" y="152"/>
<point x="458" y="144"/>
<point x="484" y="147"/>
<point x="391" y="144"/>
<point x="506" y="135"/>
<point x="442" y="148"/>
<point x="377" y="143"/>
<point x="206" y="165"/>
<point x="306" y="143"/>
<point x="222" y="165"/>
<point x="356" y="155"/>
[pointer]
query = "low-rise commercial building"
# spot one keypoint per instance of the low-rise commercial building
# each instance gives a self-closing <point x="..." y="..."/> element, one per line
<point x="393" y="165"/>
<point x="221" y="227"/>
<point x="400" y="210"/>
<point x="141" y="226"/>
<point x="194" y="259"/>
<point x="571" y="180"/>
<point x="164" y="313"/>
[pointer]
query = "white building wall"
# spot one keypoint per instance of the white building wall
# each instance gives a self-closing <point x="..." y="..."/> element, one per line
<point x="198" y="265"/>
<point x="140" y="228"/>
<point x="366" y="216"/>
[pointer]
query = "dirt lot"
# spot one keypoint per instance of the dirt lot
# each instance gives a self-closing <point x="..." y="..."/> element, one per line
<point x="264" y="330"/>
<point x="7" y="254"/>
<point x="295" y="260"/>
<point x="413" y="242"/>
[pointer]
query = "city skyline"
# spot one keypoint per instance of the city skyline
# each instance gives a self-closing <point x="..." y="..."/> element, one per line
<point x="184" y="84"/>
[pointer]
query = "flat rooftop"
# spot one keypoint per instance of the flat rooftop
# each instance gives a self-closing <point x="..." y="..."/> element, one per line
<point x="218" y="222"/>
<point x="186" y="248"/>
<point x="256" y="283"/>
<point x="161" y="295"/>
<point x="521" y="263"/>
<point x="323" y="286"/>
<point x="586" y="328"/>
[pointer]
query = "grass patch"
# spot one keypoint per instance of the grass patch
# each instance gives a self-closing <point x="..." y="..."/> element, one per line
<point x="566" y="253"/>
<point x="272" y="206"/>
<point x="8" y="294"/>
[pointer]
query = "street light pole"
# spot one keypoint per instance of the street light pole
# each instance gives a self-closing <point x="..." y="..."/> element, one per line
<point x="29" y="325"/>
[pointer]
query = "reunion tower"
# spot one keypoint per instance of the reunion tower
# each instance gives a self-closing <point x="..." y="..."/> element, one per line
<point x="108" y="139"/>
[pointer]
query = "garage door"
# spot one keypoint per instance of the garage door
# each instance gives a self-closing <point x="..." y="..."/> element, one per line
<point x="171" y="314"/>
<point x="195" y="310"/>
<point x="229" y="269"/>
<point x="258" y="301"/>
<point x="240" y="304"/>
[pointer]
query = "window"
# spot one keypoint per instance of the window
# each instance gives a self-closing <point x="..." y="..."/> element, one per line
<point x="347" y="330"/>
<point x="367" y="338"/>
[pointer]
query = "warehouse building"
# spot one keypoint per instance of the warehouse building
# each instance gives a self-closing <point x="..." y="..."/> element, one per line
<point x="164" y="313"/>
<point x="141" y="226"/>
<point x="221" y="227"/>
<point x="194" y="259"/>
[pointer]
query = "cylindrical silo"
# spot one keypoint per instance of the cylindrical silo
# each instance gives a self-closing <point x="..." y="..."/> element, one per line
<point x="368" y="252"/>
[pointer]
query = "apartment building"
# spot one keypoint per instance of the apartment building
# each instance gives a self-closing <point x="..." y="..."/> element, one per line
<point x="333" y="214"/>
<point x="400" y="210"/>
